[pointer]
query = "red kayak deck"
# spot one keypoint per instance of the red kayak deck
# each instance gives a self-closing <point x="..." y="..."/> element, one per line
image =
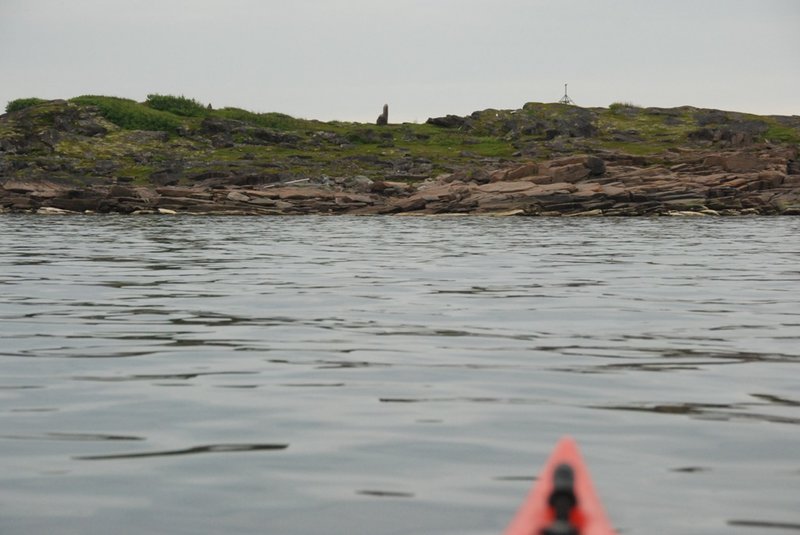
<point x="536" y="513"/>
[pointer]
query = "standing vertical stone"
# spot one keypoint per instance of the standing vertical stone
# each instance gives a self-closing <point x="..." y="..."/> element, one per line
<point x="383" y="118"/>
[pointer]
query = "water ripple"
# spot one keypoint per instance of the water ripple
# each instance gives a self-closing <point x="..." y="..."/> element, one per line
<point x="80" y="437"/>
<point x="428" y="358"/>
<point x="211" y="448"/>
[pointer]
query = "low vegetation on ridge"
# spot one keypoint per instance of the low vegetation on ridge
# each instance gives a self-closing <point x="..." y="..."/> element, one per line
<point x="178" y="140"/>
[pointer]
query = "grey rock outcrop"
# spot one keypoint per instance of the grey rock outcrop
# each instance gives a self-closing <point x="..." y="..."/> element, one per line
<point x="383" y="118"/>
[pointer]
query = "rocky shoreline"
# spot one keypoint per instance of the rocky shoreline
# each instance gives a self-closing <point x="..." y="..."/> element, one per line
<point x="172" y="155"/>
<point x="757" y="181"/>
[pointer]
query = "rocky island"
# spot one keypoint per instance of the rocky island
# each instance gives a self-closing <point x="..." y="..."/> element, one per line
<point x="173" y="155"/>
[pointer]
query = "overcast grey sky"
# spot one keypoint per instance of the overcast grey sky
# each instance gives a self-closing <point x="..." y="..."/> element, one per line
<point x="342" y="59"/>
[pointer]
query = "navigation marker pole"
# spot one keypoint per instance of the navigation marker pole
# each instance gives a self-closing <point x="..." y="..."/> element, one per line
<point x="565" y="99"/>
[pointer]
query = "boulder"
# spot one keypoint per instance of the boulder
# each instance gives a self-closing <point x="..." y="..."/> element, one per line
<point x="569" y="173"/>
<point x="448" y="121"/>
<point x="237" y="197"/>
<point x="389" y="187"/>
<point x="498" y="175"/>
<point x="359" y="183"/>
<point x="526" y="170"/>
<point x="597" y="167"/>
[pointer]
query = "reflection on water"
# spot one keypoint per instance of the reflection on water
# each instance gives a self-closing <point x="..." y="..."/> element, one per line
<point x="70" y="436"/>
<point x="420" y="369"/>
<point x="212" y="448"/>
<point x="763" y="524"/>
<point x="708" y="411"/>
<point x="385" y="494"/>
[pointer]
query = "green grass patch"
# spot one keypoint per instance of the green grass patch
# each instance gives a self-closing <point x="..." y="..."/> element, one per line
<point x="130" y="114"/>
<point x="22" y="103"/>
<point x="651" y="127"/>
<point x="186" y="107"/>
<point x="492" y="148"/>
<point x="783" y="134"/>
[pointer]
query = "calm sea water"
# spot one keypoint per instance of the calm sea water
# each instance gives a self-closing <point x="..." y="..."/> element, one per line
<point x="383" y="376"/>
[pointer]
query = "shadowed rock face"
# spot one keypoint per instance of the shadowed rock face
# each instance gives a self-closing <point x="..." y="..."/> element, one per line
<point x="544" y="159"/>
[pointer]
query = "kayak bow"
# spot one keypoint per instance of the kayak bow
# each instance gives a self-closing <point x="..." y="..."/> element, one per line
<point x="563" y="500"/>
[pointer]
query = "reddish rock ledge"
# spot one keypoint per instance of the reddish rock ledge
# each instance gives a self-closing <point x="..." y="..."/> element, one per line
<point x="764" y="181"/>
